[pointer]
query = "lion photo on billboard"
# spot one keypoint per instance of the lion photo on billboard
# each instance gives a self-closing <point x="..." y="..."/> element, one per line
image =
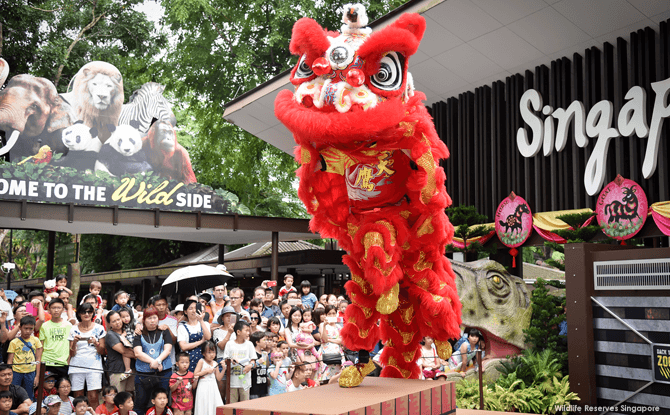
<point x="98" y="96"/>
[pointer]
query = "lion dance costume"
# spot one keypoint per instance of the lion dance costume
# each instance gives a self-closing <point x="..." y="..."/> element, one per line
<point x="370" y="177"/>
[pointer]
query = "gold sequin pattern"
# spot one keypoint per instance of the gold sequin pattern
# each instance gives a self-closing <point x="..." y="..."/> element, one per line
<point x="444" y="349"/>
<point x="385" y="271"/>
<point x="426" y="228"/>
<point x="427" y="162"/>
<point x="409" y="356"/>
<point x="406" y="314"/>
<point x="391" y="229"/>
<point x="423" y="283"/>
<point x="363" y="333"/>
<point x="422" y="264"/>
<point x="408" y="126"/>
<point x="388" y="302"/>
<point x="437" y="298"/>
<point x="374" y="239"/>
<point x="352" y="229"/>
<point x="305" y="157"/>
<point x="405" y="214"/>
<point x="392" y="362"/>
<point x="406" y="336"/>
<point x="364" y="285"/>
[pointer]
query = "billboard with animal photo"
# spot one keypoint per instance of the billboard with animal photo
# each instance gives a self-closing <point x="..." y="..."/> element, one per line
<point x="87" y="146"/>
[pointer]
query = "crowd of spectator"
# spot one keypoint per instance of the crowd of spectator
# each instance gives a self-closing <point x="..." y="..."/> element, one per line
<point x="155" y="360"/>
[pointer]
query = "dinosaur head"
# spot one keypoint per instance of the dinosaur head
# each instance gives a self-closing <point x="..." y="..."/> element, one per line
<point x="495" y="302"/>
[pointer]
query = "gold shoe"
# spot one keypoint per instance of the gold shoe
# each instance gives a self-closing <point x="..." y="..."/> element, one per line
<point x="444" y="349"/>
<point x="352" y="376"/>
<point x="388" y="302"/>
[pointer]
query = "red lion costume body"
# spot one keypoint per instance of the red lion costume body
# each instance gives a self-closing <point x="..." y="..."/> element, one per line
<point x="370" y="176"/>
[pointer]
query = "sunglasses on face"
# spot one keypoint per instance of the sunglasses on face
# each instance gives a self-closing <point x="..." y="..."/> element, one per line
<point x="87" y="312"/>
<point x="255" y="318"/>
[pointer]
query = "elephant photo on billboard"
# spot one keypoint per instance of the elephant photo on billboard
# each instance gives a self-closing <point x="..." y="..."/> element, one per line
<point x="32" y="115"/>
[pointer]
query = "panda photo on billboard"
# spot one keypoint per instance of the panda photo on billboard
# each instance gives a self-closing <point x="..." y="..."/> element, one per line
<point x="83" y="147"/>
<point x="122" y="153"/>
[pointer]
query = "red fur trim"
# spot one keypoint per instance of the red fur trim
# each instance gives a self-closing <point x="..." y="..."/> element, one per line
<point x="332" y="128"/>
<point x="310" y="38"/>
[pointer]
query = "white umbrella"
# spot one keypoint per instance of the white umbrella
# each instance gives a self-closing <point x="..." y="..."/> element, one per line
<point x="194" y="278"/>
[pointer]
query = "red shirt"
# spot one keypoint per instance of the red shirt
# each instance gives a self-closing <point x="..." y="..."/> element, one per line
<point x="102" y="410"/>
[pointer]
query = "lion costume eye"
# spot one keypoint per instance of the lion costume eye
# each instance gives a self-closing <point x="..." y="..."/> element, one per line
<point x="390" y="74"/>
<point x="303" y="71"/>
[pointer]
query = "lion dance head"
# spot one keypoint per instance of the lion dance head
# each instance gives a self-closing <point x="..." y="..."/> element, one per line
<point x="98" y="92"/>
<point x="349" y="86"/>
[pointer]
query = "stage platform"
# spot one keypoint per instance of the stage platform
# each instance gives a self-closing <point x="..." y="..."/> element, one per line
<point x="375" y="396"/>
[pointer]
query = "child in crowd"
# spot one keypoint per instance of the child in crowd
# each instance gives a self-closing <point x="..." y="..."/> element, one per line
<point x="285" y="349"/>
<point x="288" y="285"/>
<point x="81" y="406"/>
<point x="299" y="379"/>
<point x="95" y="289"/>
<point x="127" y="338"/>
<point x="274" y="325"/>
<point x="6" y="401"/>
<point x="285" y="308"/>
<point x="124" y="401"/>
<point x="159" y="398"/>
<point x="61" y="284"/>
<point x="22" y="353"/>
<point x="308" y="298"/>
<point x="278" y="373"/>
<point x="430" y="362"/>
<point x="181" y="386"/>
<point x="259" y="374"/>
<point x="270" y="342"/>
<point x="48" y="386"/>
<point x="207" y="370"/>
<point x="121" y="300"/>
<point x="107" y="406"/>
<point x="243" y="354"/>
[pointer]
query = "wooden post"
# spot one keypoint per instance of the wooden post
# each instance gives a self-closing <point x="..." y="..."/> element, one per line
<point x="74" y="273"/>
<point x="40" y="376"/>
<point x="51" y="250"/>
<point x="228" y="373"/>
<point x="481" y="382"/>
<point x="275" y="262"/>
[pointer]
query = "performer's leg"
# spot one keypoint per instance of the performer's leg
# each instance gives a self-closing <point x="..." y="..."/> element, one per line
<point x="360" y="331"/>
<point x="401" y="331"/>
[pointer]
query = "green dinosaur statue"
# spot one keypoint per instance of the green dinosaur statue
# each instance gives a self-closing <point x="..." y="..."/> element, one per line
<point x="498" y="304"/>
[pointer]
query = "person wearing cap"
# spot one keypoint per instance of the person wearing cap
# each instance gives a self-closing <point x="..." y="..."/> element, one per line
<point x="50" y="406"/>
<point x="222" y="335"/>
<point x="270" y="309"/>
<point x="49" y="384"/>
<point x="178" y="312"/>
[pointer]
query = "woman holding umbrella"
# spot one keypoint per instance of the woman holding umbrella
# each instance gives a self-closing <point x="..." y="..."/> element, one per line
<point x="193" y="332"/>
<point x="153" y="365"/>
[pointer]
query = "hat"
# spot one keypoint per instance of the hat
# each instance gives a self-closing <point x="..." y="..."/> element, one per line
<point x="51" y="400"/>
<point x="206" y="296"/>
<point x="225" y="310"/>
<point x="48" y="374"/>
<point x="180" y="307"/>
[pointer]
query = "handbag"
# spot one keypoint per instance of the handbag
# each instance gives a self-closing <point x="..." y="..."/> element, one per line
<point x="332" y="359"/>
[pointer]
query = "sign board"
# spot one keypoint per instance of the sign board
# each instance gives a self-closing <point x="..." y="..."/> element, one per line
<point x="66" y="254"/>
<point x="621" y="208"/>
<point x="660" y="358"/>
<point x="89" y="147"/>
<point x="550" y="132"/>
